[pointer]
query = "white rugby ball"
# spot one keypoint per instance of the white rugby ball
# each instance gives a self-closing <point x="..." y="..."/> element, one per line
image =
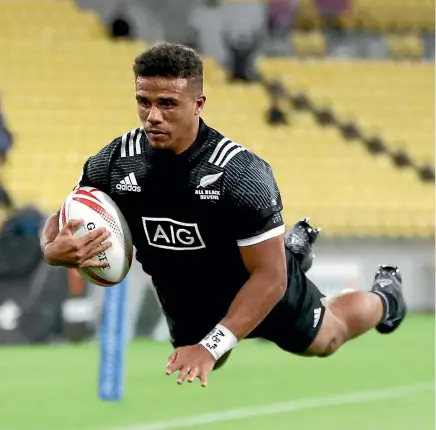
<point x="97" y="209"/>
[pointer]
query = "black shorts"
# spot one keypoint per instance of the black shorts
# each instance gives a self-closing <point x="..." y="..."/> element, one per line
<point x="292" y="324"/>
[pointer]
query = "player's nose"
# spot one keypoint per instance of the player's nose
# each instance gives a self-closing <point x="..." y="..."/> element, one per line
<point x="154" y="115"/>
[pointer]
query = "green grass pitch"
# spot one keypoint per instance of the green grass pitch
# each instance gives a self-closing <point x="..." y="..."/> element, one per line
<point x="55" y="387"/>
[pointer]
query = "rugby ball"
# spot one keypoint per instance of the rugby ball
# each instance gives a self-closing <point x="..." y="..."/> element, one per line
<point x="97" y="209"/>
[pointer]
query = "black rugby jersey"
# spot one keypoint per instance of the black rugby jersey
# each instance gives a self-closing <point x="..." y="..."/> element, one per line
<point x="189" y="213"/>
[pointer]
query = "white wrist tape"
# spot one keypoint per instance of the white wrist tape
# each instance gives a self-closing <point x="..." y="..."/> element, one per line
<point x="219" y="341"/>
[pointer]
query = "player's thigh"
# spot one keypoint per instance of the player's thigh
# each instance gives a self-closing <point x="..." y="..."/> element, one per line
<point x="296" y="321"/>
<point x="331" y="335"/>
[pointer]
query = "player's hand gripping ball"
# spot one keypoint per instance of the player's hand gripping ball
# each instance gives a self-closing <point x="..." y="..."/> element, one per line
<point x="99" y="212"/>
<point x="192" y="361"/>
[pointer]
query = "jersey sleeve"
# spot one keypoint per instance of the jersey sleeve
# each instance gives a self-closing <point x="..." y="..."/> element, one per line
<point x="95" y="171"/>
<point x="255" y="205"/>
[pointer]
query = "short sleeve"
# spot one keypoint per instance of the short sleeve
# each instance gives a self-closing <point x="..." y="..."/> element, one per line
<point x="95" y="171"/>
<point x="255" y="205"/>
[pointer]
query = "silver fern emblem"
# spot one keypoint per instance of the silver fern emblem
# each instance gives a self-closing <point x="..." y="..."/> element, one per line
<point x="209" y="180"/>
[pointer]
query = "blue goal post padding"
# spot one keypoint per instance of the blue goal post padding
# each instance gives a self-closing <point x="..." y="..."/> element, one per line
<point x="112" y="344"/>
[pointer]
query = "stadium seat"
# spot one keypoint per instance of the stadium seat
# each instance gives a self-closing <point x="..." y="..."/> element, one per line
<point x="395" y="14"/>
<point x="376" y="15"/>
<point x="392" y="99"/>
<point x="344" y="187"/>
<point x="308" y="44"/>
<point x="405" y="46"/>
<point x="67" y="90"/>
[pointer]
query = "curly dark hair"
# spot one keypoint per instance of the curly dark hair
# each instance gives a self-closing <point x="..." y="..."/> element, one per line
<point x="170" y="60"/>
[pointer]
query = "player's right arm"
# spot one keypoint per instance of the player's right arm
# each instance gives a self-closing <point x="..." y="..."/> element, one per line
<point x="62" y="248"/>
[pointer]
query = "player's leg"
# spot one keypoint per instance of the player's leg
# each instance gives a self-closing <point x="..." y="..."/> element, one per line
<point x="299" y="241"/>
<point x="352" y="314"/>
<point x="306" y="323"/>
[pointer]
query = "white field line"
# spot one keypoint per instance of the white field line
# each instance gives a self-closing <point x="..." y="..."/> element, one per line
<point x="285" y="407"/>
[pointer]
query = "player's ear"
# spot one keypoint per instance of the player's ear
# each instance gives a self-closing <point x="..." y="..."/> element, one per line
<point x="199" y="104"/>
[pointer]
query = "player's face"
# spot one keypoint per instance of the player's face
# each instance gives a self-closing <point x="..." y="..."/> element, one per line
<point x="169" y="110"/>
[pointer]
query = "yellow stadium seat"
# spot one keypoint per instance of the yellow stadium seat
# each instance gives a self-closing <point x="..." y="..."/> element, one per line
<point x="395" y="14"/>
<point x="68" y="90"/>
<point x="308" y="44"/>
<point x="405" y="46"/>
<point x="377" y="95"/>
<point x="375" y="15"/>
<point x="393" y="100"/>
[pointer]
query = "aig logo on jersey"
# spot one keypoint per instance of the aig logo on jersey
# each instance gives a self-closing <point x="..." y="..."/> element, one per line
<point x="168" y="233"/>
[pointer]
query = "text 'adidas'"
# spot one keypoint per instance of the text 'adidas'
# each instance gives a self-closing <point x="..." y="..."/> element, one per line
<point x="129" y="183"/>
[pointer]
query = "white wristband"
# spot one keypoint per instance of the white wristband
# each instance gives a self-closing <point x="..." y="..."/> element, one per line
<point x="219" y="341"/>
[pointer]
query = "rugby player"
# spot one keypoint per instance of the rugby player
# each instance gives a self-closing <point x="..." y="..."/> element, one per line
<point x="205" y="216"/>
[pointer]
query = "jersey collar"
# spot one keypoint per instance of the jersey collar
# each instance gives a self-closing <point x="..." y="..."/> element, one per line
<point x="188" y="154"/>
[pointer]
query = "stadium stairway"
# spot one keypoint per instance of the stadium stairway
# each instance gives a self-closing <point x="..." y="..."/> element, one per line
<point x="393" y="99"/>
<point x="390" y="104"/>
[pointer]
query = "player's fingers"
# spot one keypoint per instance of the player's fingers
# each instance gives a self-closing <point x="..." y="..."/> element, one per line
<point x="172" y="366"/>
<point x="203" y="378"/>
<point x="183" y="374"/>
<point x="94" y="235"/>
<point x="193" y="374"/>
<point x="96" y="250"/>
<point x="93" y="263"/>
<point x="100" y="238"/>
<point x="71" y="226"/>
<point x="172" y="358"/>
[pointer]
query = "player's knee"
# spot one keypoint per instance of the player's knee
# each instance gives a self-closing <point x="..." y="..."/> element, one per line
<point x="336" y="340"/>
<point x="221" y="361"/>
<point x="334" y="344"/>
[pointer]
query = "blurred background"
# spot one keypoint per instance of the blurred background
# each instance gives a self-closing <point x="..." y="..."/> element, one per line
<point x="337" y="95"/>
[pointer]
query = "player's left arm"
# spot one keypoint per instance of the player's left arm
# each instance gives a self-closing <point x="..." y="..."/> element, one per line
<point x="255" y="215"/>
<point x="266" y="264"/>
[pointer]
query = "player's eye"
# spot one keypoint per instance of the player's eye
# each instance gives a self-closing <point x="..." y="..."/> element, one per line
<point x="167" y="103"/>
<point x="142" y="101"/>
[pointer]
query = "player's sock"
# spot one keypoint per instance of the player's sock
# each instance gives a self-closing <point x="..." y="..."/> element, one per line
<point x="388" y="286"/>
<point x="299" y="241"/>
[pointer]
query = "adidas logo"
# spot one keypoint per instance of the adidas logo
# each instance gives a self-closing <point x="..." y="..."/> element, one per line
<point x="316" y="316"/>
<point x="384" y="282"/>
<point x="129" y="183"/>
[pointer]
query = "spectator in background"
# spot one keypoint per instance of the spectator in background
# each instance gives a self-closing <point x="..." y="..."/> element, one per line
<point x="276" y="115"/>
<point x="120" y="26"/>
<point x="332" y="12"/>
<point x="192" y="39"/>
<point x="242" y="53"/>
<point x="6" y="205"/>
<point x="6" y="139"/>
<point x="276" y="90"/>
<point x="277" y="94"/>
<point x="280" y="16"/>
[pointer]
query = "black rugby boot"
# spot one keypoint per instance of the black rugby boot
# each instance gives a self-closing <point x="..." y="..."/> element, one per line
<point x="299" y="241"/>
<point x="388" y="285"/>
